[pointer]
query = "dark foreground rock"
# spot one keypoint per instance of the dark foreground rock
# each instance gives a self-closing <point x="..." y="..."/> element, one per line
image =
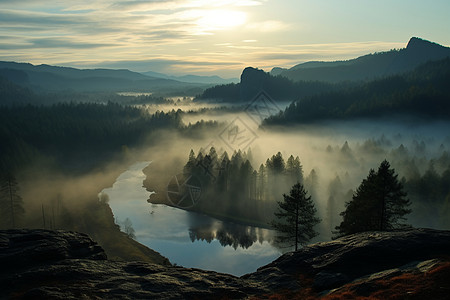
<point x="44" y="264"/>
<point x="413" y="264"/>
<point x="362" y="261"/>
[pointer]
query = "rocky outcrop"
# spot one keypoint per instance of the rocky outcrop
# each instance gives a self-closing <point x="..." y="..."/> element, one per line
<point x="413" y="264"/>
<point x="44" y="264"/>
<point x="357" y="259"/>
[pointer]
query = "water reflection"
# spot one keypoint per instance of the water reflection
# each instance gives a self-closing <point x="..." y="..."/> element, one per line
<point x="230" y="234"/>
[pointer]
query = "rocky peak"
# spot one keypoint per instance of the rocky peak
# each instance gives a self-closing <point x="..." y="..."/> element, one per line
<point x="418" y="43"/>
<point x="252" y="82"/>
<point x="423" y="50"/>
<point x="250" y="73"/>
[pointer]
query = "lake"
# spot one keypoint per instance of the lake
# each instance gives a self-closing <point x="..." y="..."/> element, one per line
<point x="188" y="238"/>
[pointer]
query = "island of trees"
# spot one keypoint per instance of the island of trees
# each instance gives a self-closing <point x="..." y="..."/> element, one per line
<point x="231" y="186"/>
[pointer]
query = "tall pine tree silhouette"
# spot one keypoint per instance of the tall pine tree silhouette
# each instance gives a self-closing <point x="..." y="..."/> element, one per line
<point x="296" y="218"/>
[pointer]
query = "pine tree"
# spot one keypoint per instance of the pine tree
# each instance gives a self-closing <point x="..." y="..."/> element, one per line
<point x="394" y="204"/>
<point x="11" y="204"/>
<point x="296" y="218"/>
<point x="294" y="169"/>
<point x="191" y="163"/>
<point x="262" y="186"/>
<point x="379" y="203"/>
<point x="276" y="164"/>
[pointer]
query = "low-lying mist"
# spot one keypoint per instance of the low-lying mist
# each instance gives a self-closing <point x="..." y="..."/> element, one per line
<point x="338" y="155"/>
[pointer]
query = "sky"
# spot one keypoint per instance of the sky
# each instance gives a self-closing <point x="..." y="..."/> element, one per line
<point x="211" y="37"/>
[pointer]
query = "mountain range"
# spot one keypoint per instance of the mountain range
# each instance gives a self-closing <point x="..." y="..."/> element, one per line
<point x="54" y="78"/>
<point x="367" y="67"/>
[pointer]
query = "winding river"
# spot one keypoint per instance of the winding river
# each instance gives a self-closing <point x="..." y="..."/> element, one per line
<point x="187" y="238"/>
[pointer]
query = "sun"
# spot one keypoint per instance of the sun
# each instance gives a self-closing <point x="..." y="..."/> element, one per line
<point x="212" y="20"/>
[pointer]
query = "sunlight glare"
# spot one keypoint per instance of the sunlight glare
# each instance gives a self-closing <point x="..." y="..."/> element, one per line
<point x="221" y="19"/>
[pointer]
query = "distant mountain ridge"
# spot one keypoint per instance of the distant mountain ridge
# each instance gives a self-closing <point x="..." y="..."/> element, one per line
<point x="367" y="67"/>
<point x="53" y="78"/>
<point x="73" y="72"/>
<point x="193" y="78"/>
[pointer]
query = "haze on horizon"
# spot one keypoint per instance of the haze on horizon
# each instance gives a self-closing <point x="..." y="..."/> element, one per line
<point x="214" y="37"/>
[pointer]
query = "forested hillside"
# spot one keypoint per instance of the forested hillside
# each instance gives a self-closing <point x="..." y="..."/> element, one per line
<point x="424" y="92"/>
<point x="74" y="136"/>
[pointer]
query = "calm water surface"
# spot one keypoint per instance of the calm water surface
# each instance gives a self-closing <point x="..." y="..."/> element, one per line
<point x="188" y="238"/>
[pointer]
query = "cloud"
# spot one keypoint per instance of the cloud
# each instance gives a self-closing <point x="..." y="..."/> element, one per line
<point x="64" y="43"/>
<point x="168" y="5"/>
<point x="42" y="43"/>
<point x="24" y="18"/>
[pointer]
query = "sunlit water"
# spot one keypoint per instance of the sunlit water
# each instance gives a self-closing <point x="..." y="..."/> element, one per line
<point x="188" y="238"/>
